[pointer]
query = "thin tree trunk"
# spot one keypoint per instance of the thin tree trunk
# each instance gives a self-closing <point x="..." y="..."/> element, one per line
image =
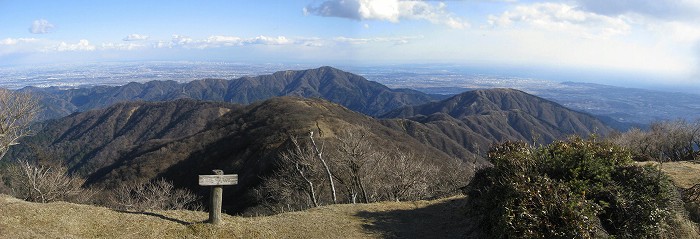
<point x="325" y="166"/>
<point x="312" y="192"/>
<point x="363" y="191"/>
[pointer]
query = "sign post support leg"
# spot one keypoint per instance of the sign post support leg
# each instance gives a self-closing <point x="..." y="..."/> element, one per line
<point x="217" y="193"/>
<point x="215" y="209"/>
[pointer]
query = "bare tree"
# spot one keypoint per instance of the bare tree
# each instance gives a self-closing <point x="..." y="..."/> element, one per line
<point x="155" y="195"/>
<point x="17" y="111"/>
<point x="695" y="128"/>
<point x="329" y="175"/>
<point x="403" y="176"/>
<point x="664" y="141"/>
<point x="677" y="139"/>
<point x="641" y="143"/>
<point x="295" y="183"/>
<point x="361" y="171"/>
<point x="39" y="183"/>
<point x="303" y="166"/>
<point x="355" y="157"/>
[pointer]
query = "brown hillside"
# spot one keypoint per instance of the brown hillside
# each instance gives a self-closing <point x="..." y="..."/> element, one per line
<point x="477" y="119"/>
<point x="137" y="142"/>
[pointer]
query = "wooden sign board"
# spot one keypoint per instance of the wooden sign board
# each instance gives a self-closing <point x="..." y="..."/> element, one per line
<point x="218" y="180"/>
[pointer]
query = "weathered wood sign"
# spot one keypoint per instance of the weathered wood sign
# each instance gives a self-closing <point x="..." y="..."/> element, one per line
<point x="217" y="183"/>
<point x="218" y="180"/>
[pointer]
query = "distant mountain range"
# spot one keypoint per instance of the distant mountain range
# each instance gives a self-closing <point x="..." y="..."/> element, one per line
<point x="476" y="119"/>
<point x="350" y="90"/>
<point x="135" y="141"/>
<point x="620" y="106"/>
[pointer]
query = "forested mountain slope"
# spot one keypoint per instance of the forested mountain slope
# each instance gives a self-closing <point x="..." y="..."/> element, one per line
<point x="476" y="119"/>
<point x="178" y="140"/>
<point x="350" y="90"/>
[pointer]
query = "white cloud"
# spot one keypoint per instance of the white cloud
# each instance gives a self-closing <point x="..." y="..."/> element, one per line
<point x="387" y="10"/>
<point x="15" y="41"/>
<point x="265" y="40"/>
<point x="123" y="46"/>
<point x="359" y="41"/>
<point x="162" y="44"/>
<point x="135" y="37"/>
<point x="179" y="40"/>
<point x="20" y="45"/>
<point x="675" y="31"/>
<point x="217" y="41"/>
<point x="562" y="18"/>
<point x="82" y="45"/>
<point x="653" y="8"/>
<point x="38" y="45"/>
<point x="220" y="41"/>
<point x="41" y="26"/>
<point x="230" y="40"/>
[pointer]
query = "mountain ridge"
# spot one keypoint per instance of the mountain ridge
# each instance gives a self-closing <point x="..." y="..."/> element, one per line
<point x="483" y="117"/>
<point x="350" y="90"/>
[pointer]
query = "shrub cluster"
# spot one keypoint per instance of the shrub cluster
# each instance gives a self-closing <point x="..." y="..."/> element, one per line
<point x="570" y="189"/>
<point x="664" y="141"/>
<point x="43" y="183"/>
<point x="153" y="195"/>
<point x="363" y="168"/>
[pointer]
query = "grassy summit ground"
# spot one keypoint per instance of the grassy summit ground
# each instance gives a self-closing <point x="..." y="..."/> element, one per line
<point x="443" y="218"/>
<point x="440" y="218"/>
<point x="684" y="174"/>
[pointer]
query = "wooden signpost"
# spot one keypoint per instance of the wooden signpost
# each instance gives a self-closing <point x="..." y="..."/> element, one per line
<point x="217" y="183"/>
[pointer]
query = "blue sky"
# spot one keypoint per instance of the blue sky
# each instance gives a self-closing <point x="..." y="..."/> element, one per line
<point x="659" y="38"/>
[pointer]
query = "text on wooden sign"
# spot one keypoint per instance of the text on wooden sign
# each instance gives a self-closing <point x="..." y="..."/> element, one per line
<point x="218" y="180"/>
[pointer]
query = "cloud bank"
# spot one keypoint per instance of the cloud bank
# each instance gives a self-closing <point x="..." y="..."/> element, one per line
<point x="82" y="45"/>
<point x="561" y="17"/>
<point x="217" y="41"/>
<point x="387" y="10"/>
<point x="652" y="8"/>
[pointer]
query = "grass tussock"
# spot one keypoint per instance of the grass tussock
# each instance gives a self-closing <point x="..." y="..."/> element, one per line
<point x="442" y="218"/>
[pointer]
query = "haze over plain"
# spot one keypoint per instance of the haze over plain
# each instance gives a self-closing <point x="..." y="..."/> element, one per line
<point x="650" y="44"/>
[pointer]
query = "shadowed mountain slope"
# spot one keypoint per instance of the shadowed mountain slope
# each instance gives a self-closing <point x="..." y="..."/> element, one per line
<point x="476" y="119"/>
<point x="92" y="140"/>
<point x="350" y="90"/>
<point x="178" y="140"/>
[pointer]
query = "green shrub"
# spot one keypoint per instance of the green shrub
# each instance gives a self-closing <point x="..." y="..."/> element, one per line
<point x="693" y="209"/>
<point x="640" y="203"/>
<point x="569" y="189"/>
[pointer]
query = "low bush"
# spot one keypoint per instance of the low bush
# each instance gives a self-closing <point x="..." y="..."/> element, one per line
<point x="42" y="183"/>
<point x="570" y="189"/>
<point x="155" y="195"/>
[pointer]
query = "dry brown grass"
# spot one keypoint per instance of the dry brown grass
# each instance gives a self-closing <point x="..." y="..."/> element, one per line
<point x="439" y="218"/>
<point x="684" y="174"/>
